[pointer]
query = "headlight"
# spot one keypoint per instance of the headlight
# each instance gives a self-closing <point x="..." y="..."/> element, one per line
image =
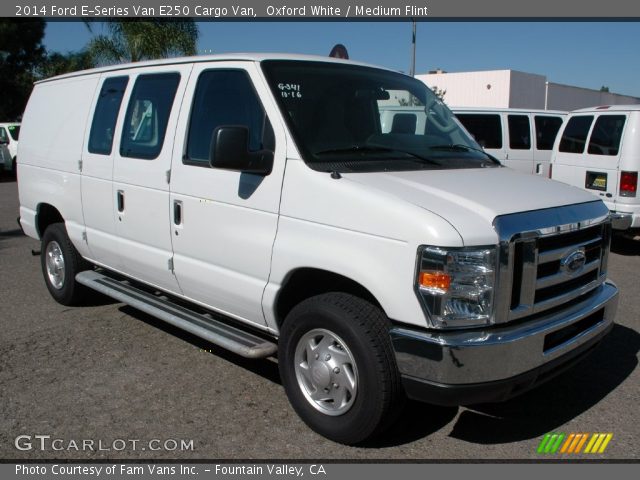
<point x="456" y="285"/>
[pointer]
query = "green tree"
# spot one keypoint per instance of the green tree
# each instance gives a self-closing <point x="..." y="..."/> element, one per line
<point x="135" y="40"/>
<point x="57" y="64"/>
<point x="21" y="51"/>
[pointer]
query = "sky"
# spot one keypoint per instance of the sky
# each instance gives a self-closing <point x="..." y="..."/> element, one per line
<point x="584" y="54"/>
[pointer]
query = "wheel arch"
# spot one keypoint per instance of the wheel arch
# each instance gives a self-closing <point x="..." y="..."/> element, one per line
<point x="46" y="214"/>
<point x="306" y="282"/>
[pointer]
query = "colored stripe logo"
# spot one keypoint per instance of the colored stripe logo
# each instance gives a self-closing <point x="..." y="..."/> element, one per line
<point x="574" y="443"/>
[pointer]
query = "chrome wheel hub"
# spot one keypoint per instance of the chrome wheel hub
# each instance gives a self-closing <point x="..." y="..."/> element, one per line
<point x="326" y="372"/>
<point x="54" y="261"/>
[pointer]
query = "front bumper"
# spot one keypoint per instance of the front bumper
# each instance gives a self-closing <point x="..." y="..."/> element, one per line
<point x="464" y="367"/>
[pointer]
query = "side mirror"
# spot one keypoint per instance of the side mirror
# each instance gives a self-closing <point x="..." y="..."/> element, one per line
<point x="230" y="151"/>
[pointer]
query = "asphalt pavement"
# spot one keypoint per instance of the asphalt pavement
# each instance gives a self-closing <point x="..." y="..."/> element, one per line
<point x="105" y="381"/>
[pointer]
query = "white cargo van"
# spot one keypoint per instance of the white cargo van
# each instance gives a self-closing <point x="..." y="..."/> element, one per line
<point x="519" y="138"/>
<point x="255" y="201"/>
<point x="598" y="150"/>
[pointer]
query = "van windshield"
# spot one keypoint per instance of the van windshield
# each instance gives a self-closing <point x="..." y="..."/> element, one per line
<point x="349" y="118"/>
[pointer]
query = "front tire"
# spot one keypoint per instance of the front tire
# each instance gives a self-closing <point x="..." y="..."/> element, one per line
<point x="60" y="262"/>
<point x="338" y="367"/>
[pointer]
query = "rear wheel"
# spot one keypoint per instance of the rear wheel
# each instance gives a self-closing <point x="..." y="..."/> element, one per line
<point x="60" y="262"/>
<point x="338" y="367"/>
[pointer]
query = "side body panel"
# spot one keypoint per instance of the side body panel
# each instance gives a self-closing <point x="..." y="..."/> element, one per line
<point x="223" y="239"/>
<point x="141" y="188"/>
<point x="97" y="189"/>
<point x="51" y="141"/>
<point x="349" y="229"/>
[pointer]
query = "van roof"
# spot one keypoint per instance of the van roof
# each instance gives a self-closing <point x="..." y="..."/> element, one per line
<point x="609" y="108"/>
<point x="506" y="109"/>
<point x="243" y="57"/>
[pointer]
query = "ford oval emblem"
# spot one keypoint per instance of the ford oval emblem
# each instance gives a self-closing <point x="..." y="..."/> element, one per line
<point x="574" y="262"/>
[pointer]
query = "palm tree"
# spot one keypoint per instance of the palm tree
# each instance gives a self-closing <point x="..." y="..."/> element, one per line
<point x="56" y="63"/>
<point x="134" y="40"/>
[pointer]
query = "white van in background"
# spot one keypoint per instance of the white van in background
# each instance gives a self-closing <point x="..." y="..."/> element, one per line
<point x="598" y="150"/>
<point x="9" y="133"/>
<point x="520" y="139"/>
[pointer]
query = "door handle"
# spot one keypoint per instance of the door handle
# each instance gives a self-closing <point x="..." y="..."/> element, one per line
<point x="120" y="198"/>
<point x="177" y="212"/>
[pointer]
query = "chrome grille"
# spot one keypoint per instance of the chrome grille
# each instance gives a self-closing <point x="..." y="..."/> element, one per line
<point x="542" y="265"/>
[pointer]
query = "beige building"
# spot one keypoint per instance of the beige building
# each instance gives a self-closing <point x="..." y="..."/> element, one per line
<point x="513" y="89"/>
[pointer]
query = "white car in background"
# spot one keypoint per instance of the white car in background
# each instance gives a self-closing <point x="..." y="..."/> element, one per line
<point x="9" y="133"/>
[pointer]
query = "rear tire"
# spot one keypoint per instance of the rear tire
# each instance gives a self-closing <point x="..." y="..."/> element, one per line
<point x="60" y="262"/>
<point x="338" y="367"/>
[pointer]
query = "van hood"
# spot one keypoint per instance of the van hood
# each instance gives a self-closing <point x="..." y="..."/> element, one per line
<point x="471" y="199"/>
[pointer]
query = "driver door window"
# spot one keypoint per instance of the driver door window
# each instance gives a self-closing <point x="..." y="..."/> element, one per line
<point x="225" y="97"/>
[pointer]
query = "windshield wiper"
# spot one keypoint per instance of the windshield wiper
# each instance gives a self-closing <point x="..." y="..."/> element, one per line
<point x="458" y="147"/>
<point x="374" y="149"/>
<point x="354" y="149"/>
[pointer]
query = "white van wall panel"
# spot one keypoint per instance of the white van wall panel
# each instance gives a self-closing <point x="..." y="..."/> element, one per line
<point x="28" y="222"/>
<point x="472" y="89"/>
<point x="629" y="161"/>
<point x="59" y="189"/>
<point x="54" y="123"/>
<point x="51" y="140"/>
<point x="630" y="145"/>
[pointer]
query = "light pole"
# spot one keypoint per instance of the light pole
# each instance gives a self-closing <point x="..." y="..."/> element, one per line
<point x="412" y="70"/>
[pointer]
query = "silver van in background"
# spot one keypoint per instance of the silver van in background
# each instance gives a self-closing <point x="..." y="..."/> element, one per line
<point x="520" y="139"/>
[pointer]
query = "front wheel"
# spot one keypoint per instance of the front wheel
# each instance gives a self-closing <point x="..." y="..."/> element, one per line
<point x="338" y="367"/>
<point x="60" y="263"/>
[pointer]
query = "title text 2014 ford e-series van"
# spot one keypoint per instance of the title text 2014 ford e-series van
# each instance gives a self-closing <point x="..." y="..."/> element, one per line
<point x="255" y="201"/>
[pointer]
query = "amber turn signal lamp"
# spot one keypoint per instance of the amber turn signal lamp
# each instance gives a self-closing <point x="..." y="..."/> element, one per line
<point x="437" y="280"/>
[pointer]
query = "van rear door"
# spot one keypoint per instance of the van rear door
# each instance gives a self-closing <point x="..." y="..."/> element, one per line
<point x="602" y="159"/>
<point x="588" y="154"/>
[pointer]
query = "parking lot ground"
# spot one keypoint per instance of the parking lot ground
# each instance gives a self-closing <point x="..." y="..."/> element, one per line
<point x="106" y="372"/>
